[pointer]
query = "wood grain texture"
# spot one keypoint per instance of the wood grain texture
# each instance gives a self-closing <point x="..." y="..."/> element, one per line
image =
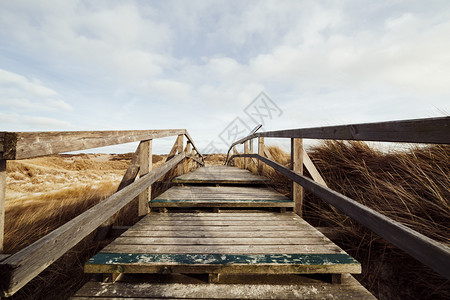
<point x="297" y="166"/>
<point x="222" y="196"/>
<point x="427" y="131"/>
<point x="21" y="145"/>
<point x="24" y="265"/>
<point x="2" y="201"/>
<point x="221" y="175"/>
<point x="350" y="288"/>
<point x="145" y="166"/>
<point x="241" y="243"/>
<point x="309" y="165"/>
<point x="426" y="250"/>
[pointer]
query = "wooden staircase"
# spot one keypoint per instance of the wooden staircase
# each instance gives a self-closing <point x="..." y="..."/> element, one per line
<point x="232" y="254"/>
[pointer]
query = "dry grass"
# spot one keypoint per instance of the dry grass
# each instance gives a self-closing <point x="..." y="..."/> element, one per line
<point x="412" y="187"/>
<point x="44" y="193"/>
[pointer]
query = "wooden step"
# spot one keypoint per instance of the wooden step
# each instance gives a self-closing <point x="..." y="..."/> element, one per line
<point x="222" y="196"/>
<point x="221" y="243"/>
<point x="266" y="287"/>
<point x="221" y="175"/>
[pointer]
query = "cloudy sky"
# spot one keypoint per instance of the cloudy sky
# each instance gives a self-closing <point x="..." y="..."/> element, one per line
<point x="200" y="65"/>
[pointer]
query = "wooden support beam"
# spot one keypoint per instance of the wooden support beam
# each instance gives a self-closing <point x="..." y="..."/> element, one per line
<point x="2" y="201"/>
<point x="23" y="266"/>
<point x="260" y="152"/>
<point x="20" y="145"/>
<point x="246" y="151"/>
<point x="268" y="154"/>
<point x="297" y="166"/>
<point x="179" y="142"/>
<point x="312" y="169"/>
<point x="145" y="166"/>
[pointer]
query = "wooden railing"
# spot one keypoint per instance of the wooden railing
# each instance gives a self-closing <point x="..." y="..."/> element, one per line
<point x="432" y="130"/>
<point x="19" y="268"/>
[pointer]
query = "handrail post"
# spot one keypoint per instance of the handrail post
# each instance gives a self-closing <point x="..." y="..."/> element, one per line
<point x="145" y="166"/>
<point x="2" y="201"/>
<point x="297" y="166"/>
<point x="246" y="150"/>
<point x="260" y="152"/>
<point x="180" y="150"/>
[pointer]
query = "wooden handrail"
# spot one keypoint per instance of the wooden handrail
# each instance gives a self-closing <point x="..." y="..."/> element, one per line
<point x="428" y="131"/>
<point x="19" y="268"/>
<point x="426" y="250"/>
<point x="21" y="145"/>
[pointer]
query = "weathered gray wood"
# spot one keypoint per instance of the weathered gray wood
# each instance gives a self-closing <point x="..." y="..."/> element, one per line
<point x="179" y="142"/>
<point x="286" y="287"/>
<point x="174" y="150"/>
<point x="2" y="201"/>
<point x="307" y="162"/>
<point x="145" y="166"/>
<point x="221" y="175"/>
<point x="189" y="138"/>
<point x="310" y="240"/>
<point x="297" y="166"/>
<point x="222" y="196"/>
<point x="20" y="145"/>
<point x="24" y="265"/>
<point x="260" y="152"/>
<point x="426" y="250"/>
<point x="246" y="150"/>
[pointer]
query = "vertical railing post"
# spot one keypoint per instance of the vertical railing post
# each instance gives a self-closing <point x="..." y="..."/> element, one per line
<point x="145" y="166"/>
<point x="180" y="150"/>
<point x="261" y="153"/>
<point x="297" y="166"/>
<point x="2" y="201"/>
<point x="246" y="150"/>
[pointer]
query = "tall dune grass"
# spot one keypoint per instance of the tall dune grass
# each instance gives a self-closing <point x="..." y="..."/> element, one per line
<point x="410" y="186"/>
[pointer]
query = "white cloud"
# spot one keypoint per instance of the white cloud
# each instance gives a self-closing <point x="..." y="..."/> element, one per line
<point x="19" y="92"/>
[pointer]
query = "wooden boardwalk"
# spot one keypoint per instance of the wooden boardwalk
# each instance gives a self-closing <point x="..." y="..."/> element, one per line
<point x="243" y="254"/>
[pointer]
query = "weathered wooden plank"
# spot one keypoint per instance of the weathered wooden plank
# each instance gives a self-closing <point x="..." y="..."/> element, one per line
<point x="2" y="201"/>
<point x="222" y="228"/>
<point x="21" y="145"/>
<point x="223" y="249"/>
<point x="220" y="223"/>
<point x="349" y="289"/>
<point x="297" y="166"/>
<point x="221" y="174"/>
<point x="24" y="265"/>
<point x="221" y="204"/>
<point x="249" y="233"/>
<point x="219" y="193"/>
<point x="309" y="240"/>
<point x="426" y="250"/>
<point x="145" y="166"/>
